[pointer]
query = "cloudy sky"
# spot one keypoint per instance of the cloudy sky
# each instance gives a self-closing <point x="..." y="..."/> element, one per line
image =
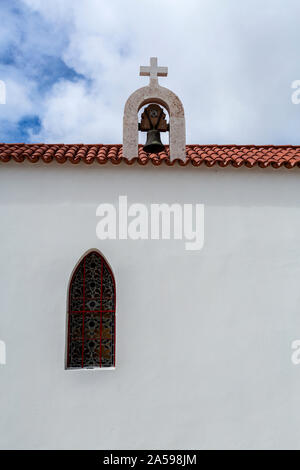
<point x="70" y="65"/>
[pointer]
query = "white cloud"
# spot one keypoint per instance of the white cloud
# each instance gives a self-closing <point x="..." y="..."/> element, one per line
<point x="75" y="113"/>
<point x="231" y="63"/>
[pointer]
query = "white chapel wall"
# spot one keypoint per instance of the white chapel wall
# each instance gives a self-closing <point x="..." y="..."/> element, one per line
<point x="203" y="338"/>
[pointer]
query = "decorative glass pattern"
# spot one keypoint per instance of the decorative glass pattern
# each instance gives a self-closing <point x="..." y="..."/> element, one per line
<point x="91" y="314"/>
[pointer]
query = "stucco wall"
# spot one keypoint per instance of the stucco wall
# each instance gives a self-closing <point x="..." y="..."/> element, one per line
<point x="203" y="338"/>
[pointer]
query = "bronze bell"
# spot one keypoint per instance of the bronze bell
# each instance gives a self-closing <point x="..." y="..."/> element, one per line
<point x="153" y="122"/>
<point x="153" y="144"/>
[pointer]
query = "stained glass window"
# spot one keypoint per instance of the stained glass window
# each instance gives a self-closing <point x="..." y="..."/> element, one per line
<point x="91" y="314"/>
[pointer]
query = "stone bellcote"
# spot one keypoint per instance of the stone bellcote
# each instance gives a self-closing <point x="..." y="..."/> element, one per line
<point x="154" y="93"/>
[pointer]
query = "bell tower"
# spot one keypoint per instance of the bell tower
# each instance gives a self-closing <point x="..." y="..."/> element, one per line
<point x="153" y="119"/>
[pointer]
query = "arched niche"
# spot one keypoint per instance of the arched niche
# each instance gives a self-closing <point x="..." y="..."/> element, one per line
<point x="166" y="98"/>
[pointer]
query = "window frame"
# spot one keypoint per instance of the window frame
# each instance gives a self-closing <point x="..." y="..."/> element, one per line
<point x="68" y="339"/>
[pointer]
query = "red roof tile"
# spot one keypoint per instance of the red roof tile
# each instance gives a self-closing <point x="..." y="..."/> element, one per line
<point x="209" y="155"/>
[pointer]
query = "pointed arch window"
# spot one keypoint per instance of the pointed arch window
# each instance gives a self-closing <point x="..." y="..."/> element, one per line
<point x="91" y="314"/>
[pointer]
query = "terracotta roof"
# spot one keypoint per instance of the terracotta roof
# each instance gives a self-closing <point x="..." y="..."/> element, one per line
<point x="209" y="155"/>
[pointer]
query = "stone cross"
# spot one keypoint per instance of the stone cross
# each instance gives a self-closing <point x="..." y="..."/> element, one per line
<point x="153" y="71"/>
